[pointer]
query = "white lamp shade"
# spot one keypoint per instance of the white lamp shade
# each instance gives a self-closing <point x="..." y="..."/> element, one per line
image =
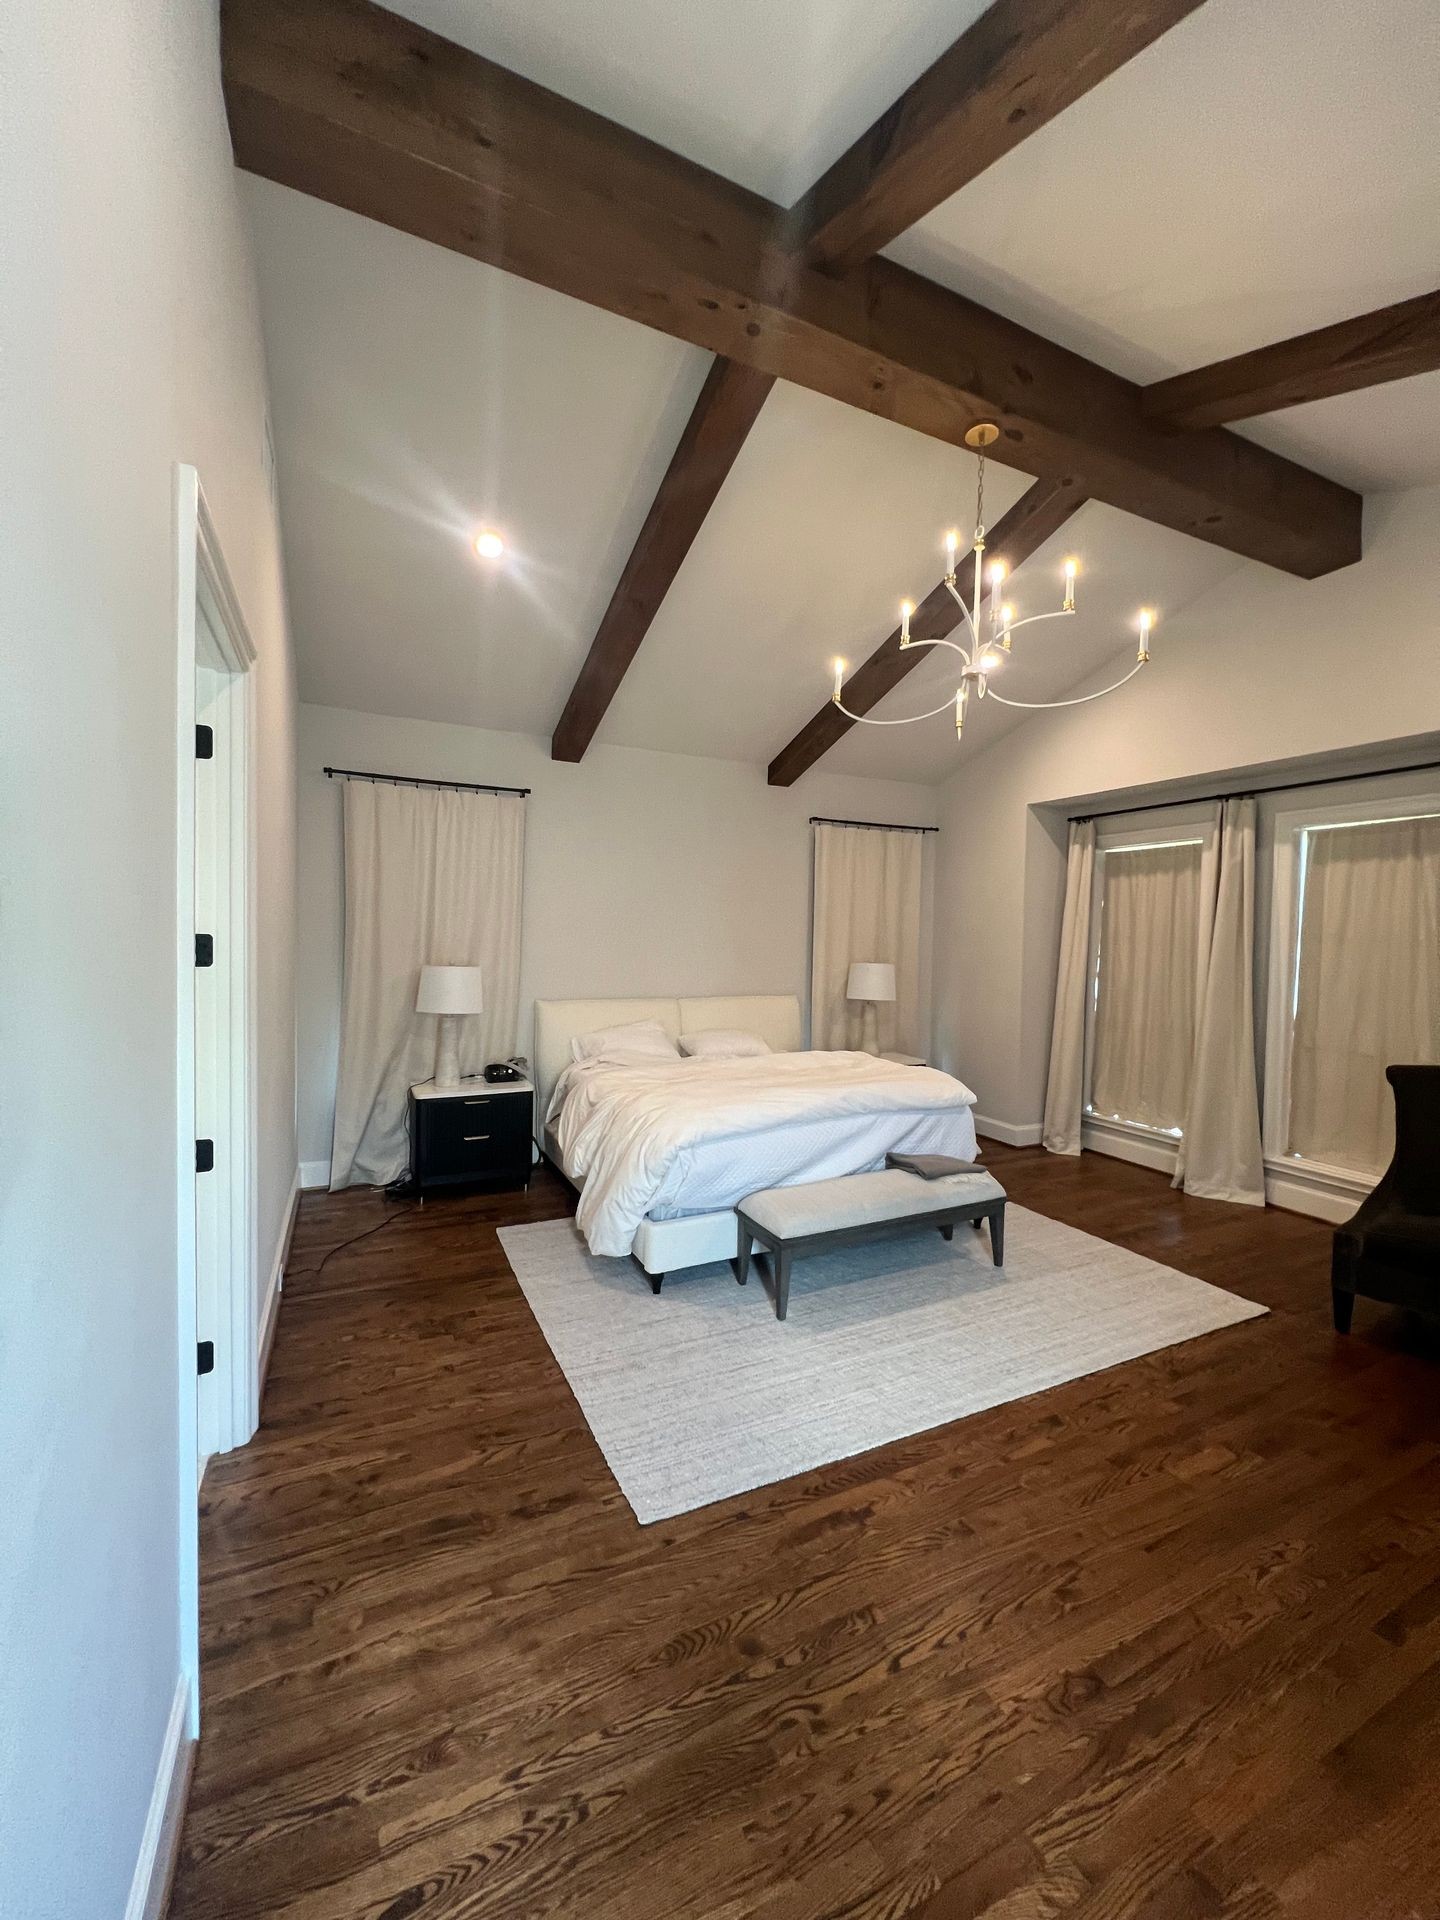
<point x="450" y="990"/>
<point x="871" y="980"/>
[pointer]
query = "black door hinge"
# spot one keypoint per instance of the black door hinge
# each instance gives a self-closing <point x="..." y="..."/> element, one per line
<point x="204" y="1156"/>
<point x="204" y="1356"/>
<point x="204" y="743"/>
<point x="204" y="949"/>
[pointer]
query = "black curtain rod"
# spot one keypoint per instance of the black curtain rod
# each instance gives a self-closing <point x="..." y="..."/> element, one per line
<point x="874" y="826"/>
<point x="1279" y="786"/>
<point x="408" y="780"/>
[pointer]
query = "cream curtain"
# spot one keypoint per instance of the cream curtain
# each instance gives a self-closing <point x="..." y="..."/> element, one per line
<point x="866" y="905"/>
<point x="1368" y="994"/>
<point x="1065" y="1088"/>
<point x="431" y="875"/>
<point x="1145" y="1009"/>
<point x="1220" y="1155"/>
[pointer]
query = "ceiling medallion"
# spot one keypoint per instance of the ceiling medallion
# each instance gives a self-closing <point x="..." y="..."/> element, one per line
<point x="983" y="655"/>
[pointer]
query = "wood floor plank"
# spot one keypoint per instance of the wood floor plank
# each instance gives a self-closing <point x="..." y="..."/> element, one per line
<point x="1161" y="1642"/>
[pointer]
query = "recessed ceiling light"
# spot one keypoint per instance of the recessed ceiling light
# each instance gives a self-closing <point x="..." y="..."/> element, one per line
<point x="488" y="544"/>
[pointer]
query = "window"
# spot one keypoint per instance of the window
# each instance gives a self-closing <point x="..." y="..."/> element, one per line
<point x="1145" y="946"/>
<point x="1355" y="980"/>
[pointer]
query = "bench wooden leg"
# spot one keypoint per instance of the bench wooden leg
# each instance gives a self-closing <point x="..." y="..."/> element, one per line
<point x="947" y="1233"/>
<point x="997" y="1234"/>
<point x="782" y="1283"/>
<point x="1342" y="1305"/>
<point x="742" y="1259"/>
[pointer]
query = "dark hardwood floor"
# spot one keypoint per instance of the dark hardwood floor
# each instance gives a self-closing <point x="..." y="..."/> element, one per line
<point x="1163" y="1642"/>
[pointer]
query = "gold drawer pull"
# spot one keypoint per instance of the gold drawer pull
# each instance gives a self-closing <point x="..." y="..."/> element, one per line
<point x="475" y="1136"/>
<point x="477" y="1103"/>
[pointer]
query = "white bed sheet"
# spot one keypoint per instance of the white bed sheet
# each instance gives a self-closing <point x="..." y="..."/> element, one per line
<point x="716" y="1174"/>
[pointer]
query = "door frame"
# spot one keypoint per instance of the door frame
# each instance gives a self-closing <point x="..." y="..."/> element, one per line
<point x="202" y="578"/>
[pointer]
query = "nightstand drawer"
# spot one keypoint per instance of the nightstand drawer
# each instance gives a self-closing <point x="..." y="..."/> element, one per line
<point x="475" y="1119"/>
<point x="482" y="1136"/>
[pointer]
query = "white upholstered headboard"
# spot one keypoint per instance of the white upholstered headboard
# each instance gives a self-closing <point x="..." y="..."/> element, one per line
<point x="774" y="1016"/>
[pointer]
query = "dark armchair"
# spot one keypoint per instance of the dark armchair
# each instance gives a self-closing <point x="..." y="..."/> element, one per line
<point x="1391" y="1249"/>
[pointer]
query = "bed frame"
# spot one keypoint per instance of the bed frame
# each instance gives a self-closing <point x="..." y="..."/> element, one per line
<point x="661" y="1246"/>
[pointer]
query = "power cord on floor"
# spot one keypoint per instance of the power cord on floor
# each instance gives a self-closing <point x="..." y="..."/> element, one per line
<point x="356" y="1238"/>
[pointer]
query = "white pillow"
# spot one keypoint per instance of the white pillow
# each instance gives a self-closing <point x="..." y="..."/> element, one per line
<point x="723" y="1043"/>
<point x="640" y="1040"/>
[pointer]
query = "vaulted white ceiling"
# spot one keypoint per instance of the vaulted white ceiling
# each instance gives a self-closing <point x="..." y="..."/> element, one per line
<point x="1257" y="172"/>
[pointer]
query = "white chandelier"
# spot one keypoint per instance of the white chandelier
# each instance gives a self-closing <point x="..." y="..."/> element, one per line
<point x="984" y="653"/>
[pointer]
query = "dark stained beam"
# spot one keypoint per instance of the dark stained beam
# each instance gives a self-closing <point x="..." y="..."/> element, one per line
<point x="1391" y="344"/>
<point x="1038" y="513"/>
<point x="1021" y="63"/>
<point x="727" y="408"/>
<point x="343" y="100"/>
<point x="1013" y="70"/>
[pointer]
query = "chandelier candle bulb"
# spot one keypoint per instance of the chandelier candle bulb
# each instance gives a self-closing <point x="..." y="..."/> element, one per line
<point x="1072" y="567"/>
<point x="952" y="542"/>
<point x="1147" y="620"/>
<point x="907" y="607"/>
<point x="839" y="681"/>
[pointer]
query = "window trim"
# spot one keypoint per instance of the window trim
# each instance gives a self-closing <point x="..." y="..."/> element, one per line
<point x="1291" y="826"/>
<point x="1196" y="826"/>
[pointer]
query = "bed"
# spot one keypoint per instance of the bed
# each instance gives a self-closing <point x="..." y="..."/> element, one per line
<point x="667" y="1191"/>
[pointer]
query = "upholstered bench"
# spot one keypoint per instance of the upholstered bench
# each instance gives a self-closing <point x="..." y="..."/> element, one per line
<point x="862" y="1206"/>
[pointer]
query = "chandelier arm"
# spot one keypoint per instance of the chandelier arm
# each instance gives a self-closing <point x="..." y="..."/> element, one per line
<point x="959" y="599"/>
<point x="954" y="646"/>
<point x="904" y="720"/>
<point x="1060" y="613"/>
<point x="1078" y="702"/>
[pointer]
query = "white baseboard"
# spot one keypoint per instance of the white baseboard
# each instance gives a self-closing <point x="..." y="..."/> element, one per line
<point x="1121" y="1144"/>
<point x="1008" y="1133"/>
<point x="160" y="1842"/>
<point x="1298" y="1195"/>
<point x="314" y="1173"/>
<point x="270" y="1305"/>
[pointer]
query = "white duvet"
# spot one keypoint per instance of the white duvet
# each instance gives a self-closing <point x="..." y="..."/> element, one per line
<point x="620" y="1128"/>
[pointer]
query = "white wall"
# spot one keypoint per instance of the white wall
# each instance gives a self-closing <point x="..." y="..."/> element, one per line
<point x="128" y="341"/>
<point x="644" y="872"/>
<point x="1262" y="669"/>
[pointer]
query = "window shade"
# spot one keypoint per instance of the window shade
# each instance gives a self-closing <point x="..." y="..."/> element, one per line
<point x="1145" y="1004"/>
<point x="1368" y="986"/>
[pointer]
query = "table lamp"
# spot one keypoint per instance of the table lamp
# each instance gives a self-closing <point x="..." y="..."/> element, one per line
<point x="452" y="992"/>
<point x="870" y="981"/>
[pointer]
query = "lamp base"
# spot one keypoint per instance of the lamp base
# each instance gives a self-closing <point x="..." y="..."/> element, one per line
<point x="447" y="1051"/>
<point x="869" y="1027"/>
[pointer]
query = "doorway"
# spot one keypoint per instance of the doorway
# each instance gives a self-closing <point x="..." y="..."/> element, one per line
<point x="218" y="1347"/>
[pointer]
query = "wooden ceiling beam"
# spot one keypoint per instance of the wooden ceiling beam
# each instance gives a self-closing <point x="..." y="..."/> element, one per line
<point x="1015" y="68"/>
<point x="1391" y="344"/>
<point x="727" y="408"/>
<point x="1039" y="512"/>
<point x="343" y="100"/>
<point x="1021" y="63"/>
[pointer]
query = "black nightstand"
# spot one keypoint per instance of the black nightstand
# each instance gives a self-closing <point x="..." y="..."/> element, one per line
<point x="475" y="1135"/>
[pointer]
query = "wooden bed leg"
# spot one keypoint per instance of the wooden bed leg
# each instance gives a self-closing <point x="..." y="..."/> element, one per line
<point x="947" y="1233"/>
<point x="655" y="1279"/>
<point x="997" y="1234"/>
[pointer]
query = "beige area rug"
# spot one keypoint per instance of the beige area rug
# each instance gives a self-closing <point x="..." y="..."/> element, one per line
<point x="700" y="1392"/>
